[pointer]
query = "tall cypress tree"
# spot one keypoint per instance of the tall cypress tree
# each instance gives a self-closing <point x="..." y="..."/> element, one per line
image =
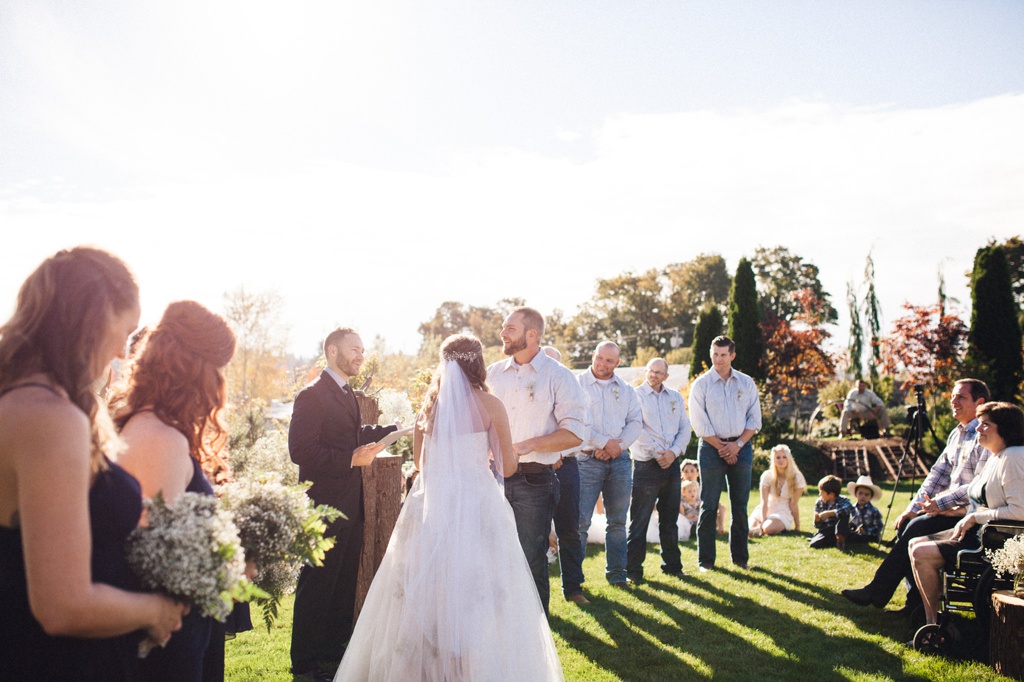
<point x="745" y="322"/>
<point x="994" y="341"/>
<point x="873" y="313"/>
<point x="709" y="325"/>
<point x="856" y="345"/>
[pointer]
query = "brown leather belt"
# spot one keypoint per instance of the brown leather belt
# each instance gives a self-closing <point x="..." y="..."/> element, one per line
<point x="532" y="468"/>
<point x="729" y="440"/>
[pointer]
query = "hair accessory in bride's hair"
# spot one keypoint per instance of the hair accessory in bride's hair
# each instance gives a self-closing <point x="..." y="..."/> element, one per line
<point x="459" y="355"/>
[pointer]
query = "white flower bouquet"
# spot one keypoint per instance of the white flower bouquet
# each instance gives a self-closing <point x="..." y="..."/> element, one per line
<point x="190" y="551"/>
<point x="280" y="529"/>
<point x="1010" y="560"/>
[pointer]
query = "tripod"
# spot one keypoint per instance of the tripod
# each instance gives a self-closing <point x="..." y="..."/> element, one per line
<point x="919" y="422"/>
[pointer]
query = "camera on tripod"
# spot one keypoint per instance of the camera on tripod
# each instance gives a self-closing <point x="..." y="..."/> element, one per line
<point x="917" y="415"/>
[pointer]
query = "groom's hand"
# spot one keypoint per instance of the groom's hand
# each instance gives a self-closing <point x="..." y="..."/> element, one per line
<point x="523" y="447"/>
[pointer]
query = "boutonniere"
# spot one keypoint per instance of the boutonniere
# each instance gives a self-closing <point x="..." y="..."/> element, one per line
<point x="739" y="395"/>
<point x="673" y="404"/>
<point x="529" y="387"/>
<point x="615" y="392"/>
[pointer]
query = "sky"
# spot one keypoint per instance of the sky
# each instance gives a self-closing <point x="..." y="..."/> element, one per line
<point x="369" y="161"/>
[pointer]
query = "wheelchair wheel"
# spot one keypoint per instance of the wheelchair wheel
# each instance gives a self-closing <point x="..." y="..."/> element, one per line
<point x="932" y="639"/>
<point x="982" y="600"/>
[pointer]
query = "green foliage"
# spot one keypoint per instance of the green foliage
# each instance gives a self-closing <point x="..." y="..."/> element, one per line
<point x="744" y="322"/>
<point x="994" y="340"/>
<point x="709" y="325"/>
<point x="693" y="285"/>
<point x="257" y="370"/>
<point x="643" y="356"/>
<point x="855" y="347"/>
<point x="679" y="356"/>
<point x="873" y="313"/>
<point x="781" y="275"/>
<point x="268" y="454"/>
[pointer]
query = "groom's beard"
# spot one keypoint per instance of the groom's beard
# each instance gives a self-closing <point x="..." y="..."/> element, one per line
<point x="513" y="347"/>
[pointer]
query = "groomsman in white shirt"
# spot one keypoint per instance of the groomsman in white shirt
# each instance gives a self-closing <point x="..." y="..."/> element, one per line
<point x="547" y="413"/>
<point x="615" y="422"/>
<point x="726" y="413"/>
<point x="656" y="483"/>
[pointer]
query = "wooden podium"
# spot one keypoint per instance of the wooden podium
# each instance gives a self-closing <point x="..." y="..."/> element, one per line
<point x="382" y="500"/>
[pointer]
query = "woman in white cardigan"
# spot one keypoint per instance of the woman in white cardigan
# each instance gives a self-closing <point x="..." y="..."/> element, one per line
<point x="997" y="493"/>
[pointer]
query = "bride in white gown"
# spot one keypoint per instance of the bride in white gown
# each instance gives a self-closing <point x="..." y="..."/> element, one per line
<point x="454" y="598"/>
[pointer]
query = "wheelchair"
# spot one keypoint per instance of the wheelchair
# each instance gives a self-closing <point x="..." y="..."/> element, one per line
<point x="968" y="587"/>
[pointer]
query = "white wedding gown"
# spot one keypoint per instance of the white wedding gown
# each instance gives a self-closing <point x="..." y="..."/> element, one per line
<point x="453" y="598"/>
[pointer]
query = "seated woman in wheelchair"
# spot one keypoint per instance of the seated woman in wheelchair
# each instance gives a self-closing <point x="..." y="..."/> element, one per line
<point x="997" y="493"/>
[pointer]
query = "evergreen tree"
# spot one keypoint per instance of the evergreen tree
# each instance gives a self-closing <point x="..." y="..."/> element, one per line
<point x="709" y="325"/>
<point x="994" y="340"/>
<point x="745" y="322"/>
<point x="856" y="345"/>
<point x="873" y="313"/>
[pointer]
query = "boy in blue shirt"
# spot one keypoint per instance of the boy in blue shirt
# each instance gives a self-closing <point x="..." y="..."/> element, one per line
<point x="832" y="514"/>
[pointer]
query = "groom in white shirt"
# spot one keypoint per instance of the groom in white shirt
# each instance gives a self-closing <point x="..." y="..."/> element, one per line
<point x="547" y="413"/>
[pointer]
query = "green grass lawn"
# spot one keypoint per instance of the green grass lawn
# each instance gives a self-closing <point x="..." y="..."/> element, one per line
<point x="783" y="619"/>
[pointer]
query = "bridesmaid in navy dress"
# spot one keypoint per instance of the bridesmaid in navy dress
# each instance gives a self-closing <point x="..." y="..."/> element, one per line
<point x="169" y="418"/>
<point x="65" y="509"/>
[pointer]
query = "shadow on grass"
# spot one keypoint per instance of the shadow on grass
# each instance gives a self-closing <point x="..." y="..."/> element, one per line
<point x="700" y="628"/>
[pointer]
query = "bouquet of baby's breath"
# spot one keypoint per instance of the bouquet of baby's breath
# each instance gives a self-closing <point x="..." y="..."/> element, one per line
<point x="280" y="529"/>
<point x="190" y="551"/>
<point x="1010" y="560"/>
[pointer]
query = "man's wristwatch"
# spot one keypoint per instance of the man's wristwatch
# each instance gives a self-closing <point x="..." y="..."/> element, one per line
<point x="739" y="443"/>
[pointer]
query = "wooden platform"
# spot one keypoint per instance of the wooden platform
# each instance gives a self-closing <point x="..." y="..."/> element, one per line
<point x="878" y="458"/>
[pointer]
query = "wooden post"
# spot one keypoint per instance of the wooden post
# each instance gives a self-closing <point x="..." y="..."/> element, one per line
<point x="1005" y="652"/>
<point x="382" y="500"/>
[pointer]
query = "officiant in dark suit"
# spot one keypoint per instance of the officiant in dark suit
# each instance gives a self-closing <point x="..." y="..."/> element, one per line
<point x="328" y="442"/>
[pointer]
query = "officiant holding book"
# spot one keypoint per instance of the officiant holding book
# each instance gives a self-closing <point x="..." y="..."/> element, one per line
<point x="329" y="443"/>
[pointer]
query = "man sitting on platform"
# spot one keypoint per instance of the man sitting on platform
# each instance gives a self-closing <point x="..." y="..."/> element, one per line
<point x="864" y="404"/>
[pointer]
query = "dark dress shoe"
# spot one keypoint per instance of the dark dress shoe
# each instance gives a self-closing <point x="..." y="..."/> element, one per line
<point x="861" y="597"/>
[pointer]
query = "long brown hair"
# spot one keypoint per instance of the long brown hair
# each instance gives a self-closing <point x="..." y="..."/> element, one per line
<point x="177" y="373"/>
<point x="63" y="315"/>
<point x="469" y="353"/>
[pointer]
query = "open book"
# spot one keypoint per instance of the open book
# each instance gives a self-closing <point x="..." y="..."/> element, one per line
<point x="389" y="439"/>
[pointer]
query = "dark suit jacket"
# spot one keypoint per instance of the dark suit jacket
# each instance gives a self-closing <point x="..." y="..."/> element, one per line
<point x="325" y="429"/>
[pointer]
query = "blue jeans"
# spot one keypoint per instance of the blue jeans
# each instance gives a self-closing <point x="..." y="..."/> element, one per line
<point x="654" y="486"/>
<point x="612" y="480"/>
<point x="533" y="498"/>
<point x="715" y="475"/>
<point x="567" y="527"/>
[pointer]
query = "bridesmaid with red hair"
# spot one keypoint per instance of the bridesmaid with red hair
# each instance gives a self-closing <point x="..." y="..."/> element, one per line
<point x="169" y="416"/>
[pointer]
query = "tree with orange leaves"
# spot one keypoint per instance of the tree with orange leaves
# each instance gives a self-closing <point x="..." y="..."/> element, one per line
<point x="796" y="362"/>
<point x="926" y="346"/>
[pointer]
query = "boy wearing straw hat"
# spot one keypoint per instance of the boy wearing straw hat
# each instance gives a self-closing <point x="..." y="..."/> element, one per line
<point x="865" y="520"/>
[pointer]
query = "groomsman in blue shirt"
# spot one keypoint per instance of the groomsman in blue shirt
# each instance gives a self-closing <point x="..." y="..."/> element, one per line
<point x="665" y="434"/>
<point x="615" y="422"/>
<point x="726" y="413"/>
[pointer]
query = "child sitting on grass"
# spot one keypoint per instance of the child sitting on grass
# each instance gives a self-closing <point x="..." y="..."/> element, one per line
<point x="865" y="519"/>
<point x="688" y="471"/>
<point x="689" y="508"/>
<point x="831" y="515"/>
